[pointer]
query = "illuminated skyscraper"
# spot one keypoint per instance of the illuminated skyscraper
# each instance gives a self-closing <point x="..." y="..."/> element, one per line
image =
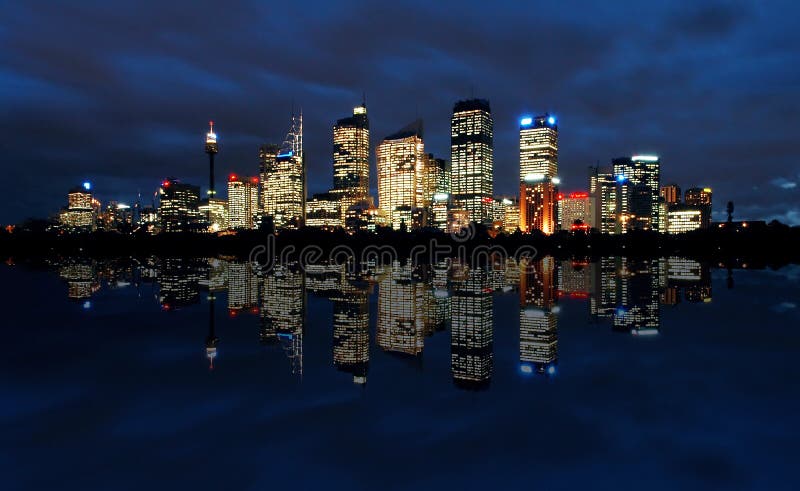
<point x="701" y="199"/>
<point x="242" y="202"/>
<point x="684" y="218"/>
<point x="351" y="159"/>
<point x="179" y="206"/>
<point x="472" y="157"/>
<point x="323" y="210"/>
<point x="538" y="146"/>
<point x="285" y="179"/>
<point x="603" y="194"/>
<point x="574" y="209"/>
<point x="537" y="204"/>
<point x="402" y="176"/>
<point x="472" y="331"/>
<point x="638" y="179"/>
<point x="671" y="194"/>
<point x="80" y="213"/>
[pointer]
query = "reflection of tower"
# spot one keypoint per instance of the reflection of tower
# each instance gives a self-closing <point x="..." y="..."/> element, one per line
<point x="538" y="323"/>
<point x="179" y="280"/>
<point x="638" y="301"/>
<point x="211" y="150"/>
<point x="212" y="340"/>
<point x="691" y="276"/>
<point x="400" y="323"/>
<point x="284" y="301"/>
<point x="351" y="331"/>
<point x="81" y="278"/>
<point x="603" y="296"/>
<point x="472" y="330"/>
<point x="242" y="287"/>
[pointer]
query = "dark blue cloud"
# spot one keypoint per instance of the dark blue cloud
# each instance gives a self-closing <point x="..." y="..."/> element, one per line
<point x="122" y="95"/>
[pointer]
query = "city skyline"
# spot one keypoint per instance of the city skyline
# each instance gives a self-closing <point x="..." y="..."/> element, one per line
<point x="132" y="107"/>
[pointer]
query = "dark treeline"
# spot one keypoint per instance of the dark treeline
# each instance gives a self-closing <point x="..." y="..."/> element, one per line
<point x="773" y="245"/>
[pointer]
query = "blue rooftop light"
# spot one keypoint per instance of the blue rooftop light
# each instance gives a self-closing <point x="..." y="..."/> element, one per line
<point x="287" y="154"/>
<point x="87" y="185"/>
<point x="526" y="121"/>
<point x="551" y="120"/>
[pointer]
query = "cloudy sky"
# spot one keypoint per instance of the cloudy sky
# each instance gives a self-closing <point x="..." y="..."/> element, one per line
<point x="120" y="93"/>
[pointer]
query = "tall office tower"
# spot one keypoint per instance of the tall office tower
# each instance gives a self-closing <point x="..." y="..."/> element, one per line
<point x="700" y="198"/>
<point x="215" y="211"/>
<point x="351" y="158"/>
<point x="211" y="150"/>
<point x="79" y="214"/>
<point x="574" y="211"/>
<point x="179" y="206"/>
<point x="671" y="194"/>
<point x="638" y="179"/>
<point x="472" y="331"/>
<point x="400" y="328"/>
<point x="401" y="174"/>
<point x="351" y="330"/>
<point x="285" y="179"/>
<point x="267" y="154"/>
<point x="284" y="300"/>
<point x="604" y="196"/>
<point x="538" y="321"/>
<point x="510" y="214"/>
<point x="538" y="146"/>
<point x="242" y="202"/>
<point x="537" y="204"/>
<point x="472" y="157"/>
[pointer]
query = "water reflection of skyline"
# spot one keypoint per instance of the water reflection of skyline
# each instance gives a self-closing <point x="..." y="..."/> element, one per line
<point x="413" y="303"/>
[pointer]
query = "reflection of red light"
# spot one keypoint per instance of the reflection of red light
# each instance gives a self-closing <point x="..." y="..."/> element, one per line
<point x="254" y="310"/>
<point x="579" y="195"/>
<point x="166" y="306"/>
<point x="487" y="290"/>
<point x="582" y="226"/>
<point x="232" y="313"/>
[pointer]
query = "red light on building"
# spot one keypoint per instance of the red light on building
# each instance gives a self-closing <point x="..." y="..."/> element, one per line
<point x="560" y="196"/>
<point x="579" y="195"/>
<point x="579" y="226"/>
<point x="165" y="184"/>
<point x="254" y="180"/>
<point x="232" y="177"/>
<point x="487" y="200"/>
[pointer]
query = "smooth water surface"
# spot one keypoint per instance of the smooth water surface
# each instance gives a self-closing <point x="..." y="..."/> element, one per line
<point x="203" y="374"/>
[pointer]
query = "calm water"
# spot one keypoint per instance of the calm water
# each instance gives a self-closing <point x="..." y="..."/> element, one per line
<point x="201" y="374"/>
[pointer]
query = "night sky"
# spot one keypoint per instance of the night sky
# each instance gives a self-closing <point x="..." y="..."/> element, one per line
<point x="121" y="95"/>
